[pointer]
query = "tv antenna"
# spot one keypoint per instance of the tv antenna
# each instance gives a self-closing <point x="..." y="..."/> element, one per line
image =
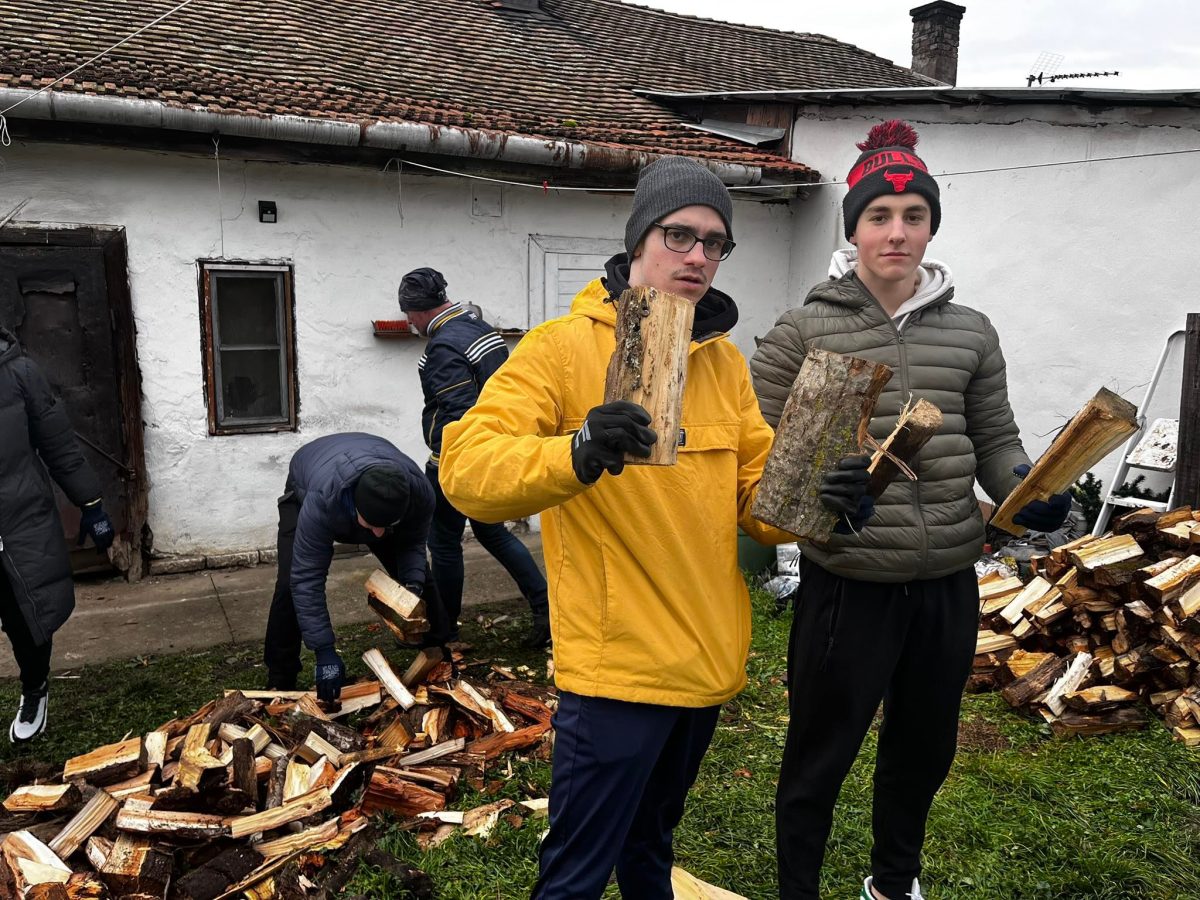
<point x="1045" y="70"/>
<point x="1044" y="66"/>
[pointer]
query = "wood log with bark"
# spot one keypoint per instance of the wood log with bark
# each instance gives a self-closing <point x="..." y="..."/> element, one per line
<point x="648" y="365"/>
<point x="389" y="790"/>
<point x="106" y="765"/>
<point x="43" y="798"/>
<point x="136" y="865"/>
<point x="139" y="816"/>
<point x="919" y="421"/>
<point x="215" y="877"/>
<point x="290" y="811"/>
<point x="1037" y="681"/>
<point x="824" y="419"/>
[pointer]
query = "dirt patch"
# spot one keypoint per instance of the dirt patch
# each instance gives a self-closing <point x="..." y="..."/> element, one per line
<point x="980" y="737"/>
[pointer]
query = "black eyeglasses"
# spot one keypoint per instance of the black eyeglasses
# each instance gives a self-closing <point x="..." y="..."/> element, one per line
<point x="681" y="241"/>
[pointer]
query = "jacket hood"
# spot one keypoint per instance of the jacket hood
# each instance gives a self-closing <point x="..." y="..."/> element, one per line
<point x="10" y="349"/>
<point x="716" y="313"/>
<point x="936" y="283"/>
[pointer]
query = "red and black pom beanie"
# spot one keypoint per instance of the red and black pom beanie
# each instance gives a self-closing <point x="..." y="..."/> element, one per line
<point x="889" y="164"/>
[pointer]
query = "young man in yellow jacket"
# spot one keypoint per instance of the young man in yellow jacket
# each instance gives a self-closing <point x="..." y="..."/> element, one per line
<point x="650" y="615"/>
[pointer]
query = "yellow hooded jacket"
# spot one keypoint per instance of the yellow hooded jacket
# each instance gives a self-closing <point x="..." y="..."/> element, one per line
<point x="646" y="600"/>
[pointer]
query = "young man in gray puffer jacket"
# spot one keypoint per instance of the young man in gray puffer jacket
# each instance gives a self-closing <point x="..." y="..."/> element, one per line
<point x="888" y="609"/>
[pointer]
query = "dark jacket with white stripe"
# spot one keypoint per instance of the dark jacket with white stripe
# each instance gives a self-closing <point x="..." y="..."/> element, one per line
<point x="463" y="353"/>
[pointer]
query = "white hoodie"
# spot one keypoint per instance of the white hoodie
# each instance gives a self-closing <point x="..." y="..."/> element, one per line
<point x="935" y="280"/>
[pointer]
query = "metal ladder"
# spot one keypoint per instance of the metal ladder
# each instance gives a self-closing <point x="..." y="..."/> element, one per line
<point x="1131" y="449"/>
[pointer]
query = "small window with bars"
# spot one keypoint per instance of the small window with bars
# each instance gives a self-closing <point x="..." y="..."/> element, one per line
<point x="249" y="347"/>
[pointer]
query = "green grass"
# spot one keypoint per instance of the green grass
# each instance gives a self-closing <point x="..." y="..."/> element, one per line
<point x="1101" y="817"/>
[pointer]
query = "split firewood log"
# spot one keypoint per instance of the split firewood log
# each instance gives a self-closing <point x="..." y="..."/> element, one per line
<point x="648" y="365"/>
<point x="825" y="419"/>
<point x="1096" y="430"/>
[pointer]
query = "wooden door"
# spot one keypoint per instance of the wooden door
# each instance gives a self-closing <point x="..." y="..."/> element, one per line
<point x="56" y="300"/>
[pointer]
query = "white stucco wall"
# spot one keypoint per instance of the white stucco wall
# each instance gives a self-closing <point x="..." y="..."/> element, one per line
<point x="1084" y="269"/>
<point x="341" y="227"/>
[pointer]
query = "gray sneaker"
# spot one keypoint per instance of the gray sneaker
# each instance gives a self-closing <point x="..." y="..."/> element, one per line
<point x="31" y="715"/>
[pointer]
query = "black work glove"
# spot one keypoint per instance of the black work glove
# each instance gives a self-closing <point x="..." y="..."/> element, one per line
<point x="844" y="491"/>
<point x="95" y="523"/>
<point x="852" y="524"/>
<point x="1042" y="515"/>
<point x="330" y="675"/>
<point x="608" y="433"/>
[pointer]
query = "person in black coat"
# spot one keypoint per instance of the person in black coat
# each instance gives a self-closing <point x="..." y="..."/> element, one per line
<point x="352" y="488"/>
<point x="37" y="594"/>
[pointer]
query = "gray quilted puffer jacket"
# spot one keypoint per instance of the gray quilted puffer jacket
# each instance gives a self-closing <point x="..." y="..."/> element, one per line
<point x="942" y="352"/>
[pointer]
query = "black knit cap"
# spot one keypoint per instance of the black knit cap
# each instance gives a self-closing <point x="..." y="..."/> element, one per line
<point x="671" y="183"/>
<point x="422" y="289"/>
<point x="889" y="164"/>
<point x="381" y="496"/>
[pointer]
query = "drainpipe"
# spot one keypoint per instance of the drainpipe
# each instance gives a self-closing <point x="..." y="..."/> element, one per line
<point x="414" y="137"/>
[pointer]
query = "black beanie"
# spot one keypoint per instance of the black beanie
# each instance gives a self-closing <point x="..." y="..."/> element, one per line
<point x="671" y="183"/>
<point x="422" y="289"/>
<point x="889" y="165"/>
<point x="381" y="496"/>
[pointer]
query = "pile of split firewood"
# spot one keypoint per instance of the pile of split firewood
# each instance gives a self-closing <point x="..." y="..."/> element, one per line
<point x="1105" y="626"/>
<point x="249" y="795"/>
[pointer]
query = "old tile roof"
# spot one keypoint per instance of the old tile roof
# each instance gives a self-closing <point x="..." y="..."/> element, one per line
<point x="566" y="71"/>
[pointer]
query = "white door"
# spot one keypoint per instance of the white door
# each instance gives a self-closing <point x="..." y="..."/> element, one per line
<point x="559" y="267"/>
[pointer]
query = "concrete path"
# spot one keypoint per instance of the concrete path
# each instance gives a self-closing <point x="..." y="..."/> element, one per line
<point x="175" y="613"/>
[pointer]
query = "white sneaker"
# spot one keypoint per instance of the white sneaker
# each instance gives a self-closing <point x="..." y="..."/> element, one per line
<point x="31" y="716"/>
<point x="914" y="894"/>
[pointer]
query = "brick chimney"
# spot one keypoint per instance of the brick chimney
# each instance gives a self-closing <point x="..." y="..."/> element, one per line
<point x="935" y="40"/>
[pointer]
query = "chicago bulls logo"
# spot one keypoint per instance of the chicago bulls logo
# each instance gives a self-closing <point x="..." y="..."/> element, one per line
<point x="898" y="180"/>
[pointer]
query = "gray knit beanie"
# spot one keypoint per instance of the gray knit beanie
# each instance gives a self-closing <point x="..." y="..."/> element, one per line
<point x="671" y="183"/>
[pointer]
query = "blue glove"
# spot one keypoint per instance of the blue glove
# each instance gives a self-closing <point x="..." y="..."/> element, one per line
<point x="1042" y="515"/>
<point x="95" y="523"/>
<point x="331" y="674"/>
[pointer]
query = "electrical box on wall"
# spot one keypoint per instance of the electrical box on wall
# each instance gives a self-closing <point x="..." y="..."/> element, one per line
<point x="487" y="200"/>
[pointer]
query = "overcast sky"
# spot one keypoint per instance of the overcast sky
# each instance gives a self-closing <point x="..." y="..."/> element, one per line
<point x="1152" y="43"/>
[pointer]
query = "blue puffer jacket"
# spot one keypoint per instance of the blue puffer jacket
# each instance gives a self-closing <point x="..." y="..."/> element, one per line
<point x="321" y="478"/>
<point x="463" y="353"/>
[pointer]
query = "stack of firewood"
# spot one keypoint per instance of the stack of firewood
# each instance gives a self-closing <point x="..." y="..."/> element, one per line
<point x="246" y="796"/>
<point x="1104" y="625"/>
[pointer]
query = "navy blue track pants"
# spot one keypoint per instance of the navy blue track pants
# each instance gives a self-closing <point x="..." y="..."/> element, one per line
<point x="620" y="776"/>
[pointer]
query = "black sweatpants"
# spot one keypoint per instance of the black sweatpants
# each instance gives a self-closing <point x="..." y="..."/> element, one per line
<point x="32" y="660"/>
<point x="853" y="644"/>
<point x="281" y="647"/>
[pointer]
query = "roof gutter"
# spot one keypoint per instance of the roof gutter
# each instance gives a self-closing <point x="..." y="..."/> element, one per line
<point x="415" y="137"/>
